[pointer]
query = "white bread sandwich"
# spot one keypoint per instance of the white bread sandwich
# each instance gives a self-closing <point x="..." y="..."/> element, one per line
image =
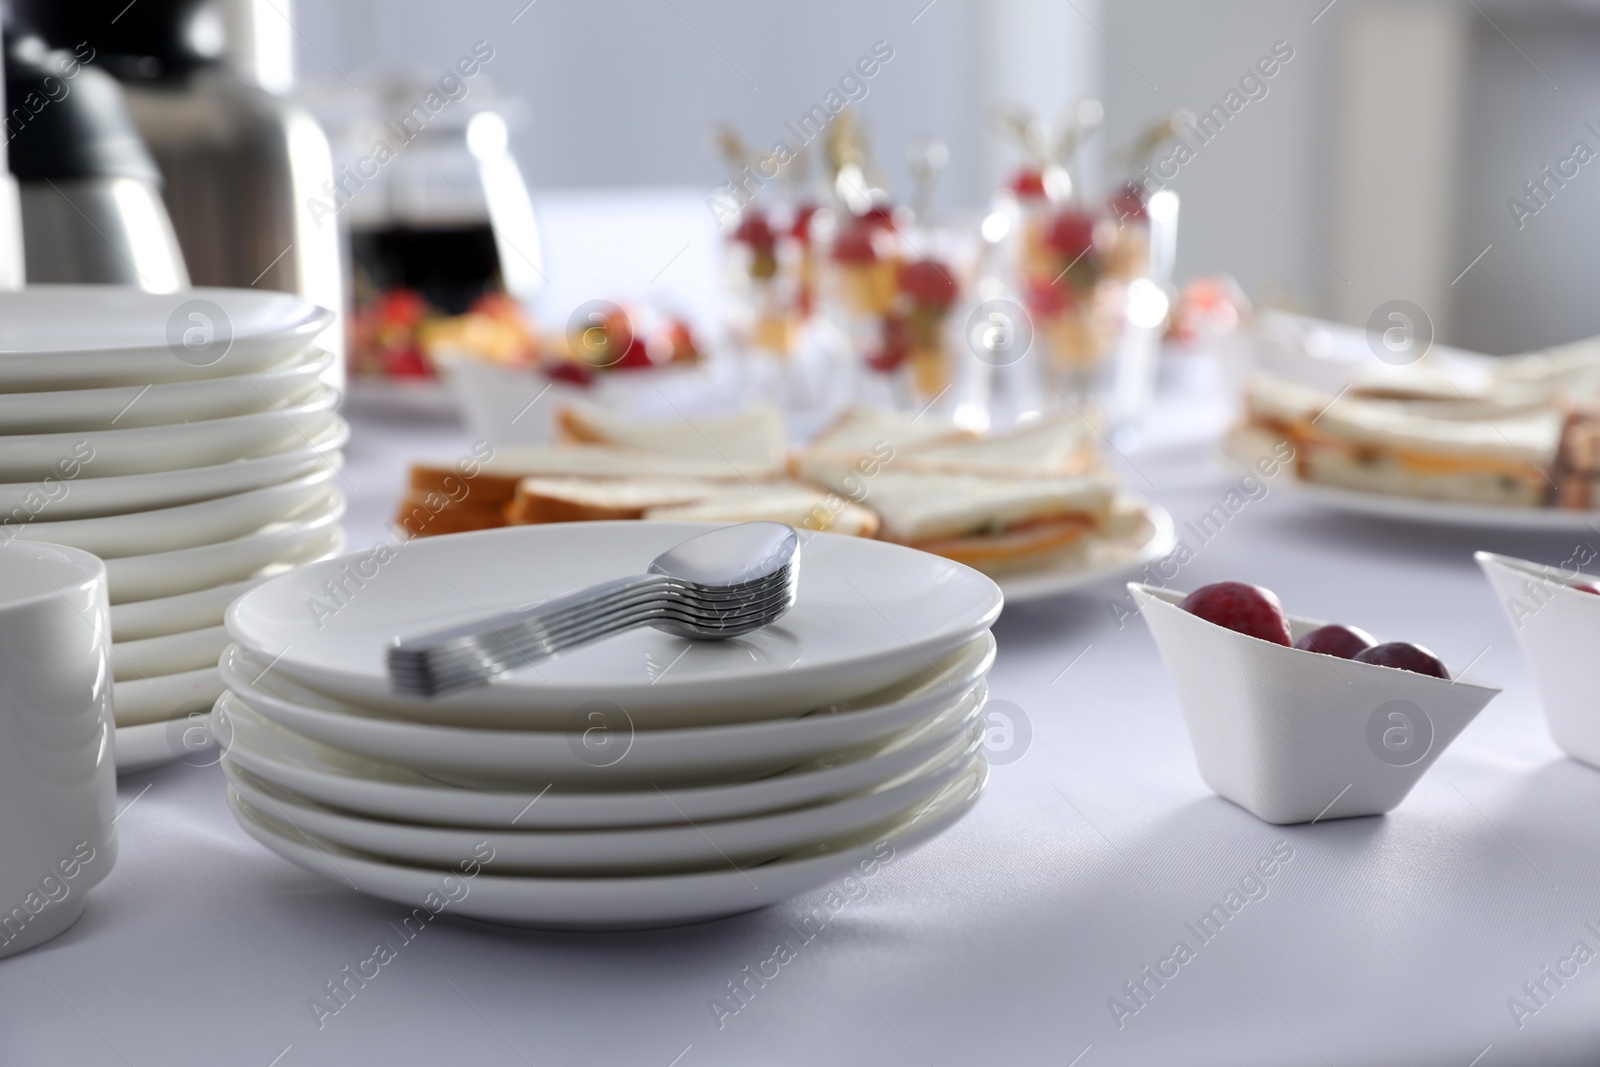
<point x="451" y="498"/>
<point x="873" y="431"/>
<point x="540" y="500"/>
<point x="749" y="442"/>
<point x="512" y="463"/>
<point x="802" y="506"/>
<point x="996" y="525"/>
<point x="1413" y="448"/>
<point x="1570" y="370"/>
<point x="1055" y="446"/>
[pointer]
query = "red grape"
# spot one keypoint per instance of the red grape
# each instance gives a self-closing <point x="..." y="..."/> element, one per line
<point x="1404" y="656"/>
<point x="1242" y="607"/>
<point x="1346" y="642"/>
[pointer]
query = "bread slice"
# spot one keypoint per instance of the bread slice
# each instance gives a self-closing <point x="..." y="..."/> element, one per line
<point x="589" y="500"/>
<point x="1029" y="547"/>
<point x="1281" y="404"/>
<point x="865" y="431"/>
<point x="802" y="506"/>
<point x="750" y="441"/>
<point x="517" y="462"/>
<point x="430" y="514"/>
<point x="1052" y="447"/>
<point x="1384" y="473"/>
<point x="486" y="488"/>
<point x="1429" y="449"/>
<point x="1574" y="368"/>
<point x="1516" y="443"/>
<point x="916" y="508"/>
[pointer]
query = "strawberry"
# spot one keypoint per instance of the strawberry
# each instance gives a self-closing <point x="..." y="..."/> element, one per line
<point x="895" y="346"/>
<point x="928" y="283"/>
<point x="856" y="244"/>
<point x="801" y="229"/>
<point x="1071" y="233"/>
<point x="1128" y="203"/>
<point x="879" y="215"/>
<point x="1045" y="299"/>
<point x="634" y="357"/>
<point x="571" y="372"/>
<point x="1028" y="183"/>
<point x="754" y="231"/>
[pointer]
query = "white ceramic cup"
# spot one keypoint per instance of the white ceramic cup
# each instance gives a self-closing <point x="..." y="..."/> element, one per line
<point x="58" y="777"/>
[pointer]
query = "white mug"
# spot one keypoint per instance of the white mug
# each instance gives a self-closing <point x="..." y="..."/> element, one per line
<point x="58" y="776"/>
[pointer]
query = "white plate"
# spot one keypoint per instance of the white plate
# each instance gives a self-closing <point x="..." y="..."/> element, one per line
<point x="165" y="574"/>
<point x="170" y="654"/>
<point x="1444" y="512"/>
<point x="1107" y="560"/>
<point x="869" y="614"/>
<point x="155" y="744"/>
<point x="144" y="619"/>
<point x="86" y="496"/>
<point x="616" y="903"/>
<point x="92" y="336"/>
<point x="106" y="453"/>
<point x="353" y="783"/>
<point x="142" y="748"/>
<point x="128" y="406"/>
<point x="633" y="850"/>
<point x="615" y="755"/>
<point x="187" y="525"/>
<point x="165" y="696"/>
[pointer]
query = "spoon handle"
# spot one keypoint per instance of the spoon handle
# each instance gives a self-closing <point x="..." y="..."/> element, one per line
<point x="553" y="613"/>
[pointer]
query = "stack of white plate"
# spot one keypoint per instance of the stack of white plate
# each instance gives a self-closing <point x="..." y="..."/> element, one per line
<point x="189" y="440"/>
<point x="644" y="780"/>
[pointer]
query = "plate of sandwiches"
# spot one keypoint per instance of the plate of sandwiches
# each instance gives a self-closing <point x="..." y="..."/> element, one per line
<point x="1514" y="445"/>
<point x="1034" y="507"/>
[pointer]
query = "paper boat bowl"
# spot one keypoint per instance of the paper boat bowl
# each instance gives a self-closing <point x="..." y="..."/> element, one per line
<point x="1294" y="736"/>
<point x="1559" y="631"/>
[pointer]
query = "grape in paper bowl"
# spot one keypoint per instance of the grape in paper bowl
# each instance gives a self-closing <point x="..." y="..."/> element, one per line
<point x="1297" y="720"/>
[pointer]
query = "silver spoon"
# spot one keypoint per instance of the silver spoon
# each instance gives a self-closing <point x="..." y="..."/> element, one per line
<point x="713" y="586"/>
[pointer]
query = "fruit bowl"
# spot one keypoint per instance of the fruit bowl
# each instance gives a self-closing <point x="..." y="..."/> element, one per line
<point x="1294" y="736"/>
<point x="1558" y="628"/>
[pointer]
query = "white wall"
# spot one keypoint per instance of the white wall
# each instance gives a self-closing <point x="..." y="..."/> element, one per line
<point x="622" y="92"/>
<point x="1254" y="200"/>
<point x="1368" y="181"/>
<point x="1396" y="166"/>
<point x="1536" y="286"/>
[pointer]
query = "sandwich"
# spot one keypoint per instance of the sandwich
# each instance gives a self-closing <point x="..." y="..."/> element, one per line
<point x="802" y="506"/>
<point x="1465" y="453"/>
<point x="430" y="515"/>
<point x="444" y="498"/>
<point x="1051" y="447"/>
<point x="1031" y="497"/>
<point x="871" y="431"/>
<point x="599" y="499"/>
<point x="995" y="524"/>
<point x="749" y="443"/>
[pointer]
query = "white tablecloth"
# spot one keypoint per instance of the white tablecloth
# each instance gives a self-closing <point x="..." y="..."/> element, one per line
<point x="1395" y="940"/>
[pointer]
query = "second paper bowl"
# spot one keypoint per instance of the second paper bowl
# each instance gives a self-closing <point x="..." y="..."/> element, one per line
<point x="1294" y="736"/>
<point x="1558" y="628"/>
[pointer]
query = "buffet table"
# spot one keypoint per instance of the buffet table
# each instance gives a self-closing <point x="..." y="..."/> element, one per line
<point x="1037" y="931"/>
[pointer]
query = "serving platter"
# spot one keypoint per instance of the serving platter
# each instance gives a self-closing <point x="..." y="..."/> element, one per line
<point x="1443" y="512"/>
